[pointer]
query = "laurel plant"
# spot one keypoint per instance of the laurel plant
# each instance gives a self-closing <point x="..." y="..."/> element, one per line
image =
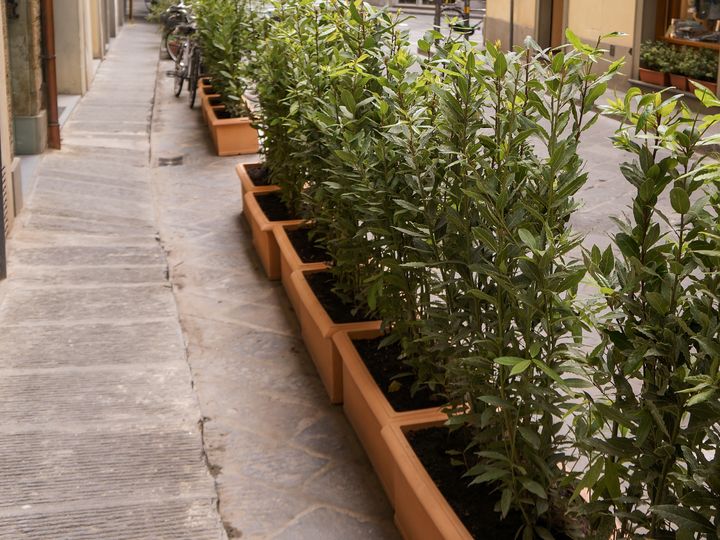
<point x="506" y="280"/>
<point x="653" y="439"/>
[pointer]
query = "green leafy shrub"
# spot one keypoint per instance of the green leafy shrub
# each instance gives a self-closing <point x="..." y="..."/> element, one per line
<point x="230" y="33"/>
<point x="653" y="439"/>
<point x="658" y="56"/>
<point x="697" y="63"/>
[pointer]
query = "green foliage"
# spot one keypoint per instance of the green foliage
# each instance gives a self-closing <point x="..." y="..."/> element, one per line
<point x="230" y="33"/>
<point x="443" y="190"/>
<point x="506" y="279"/>
<point x="696" y="63"/>
<point x="658" y="56"/>
<point x="158" y="8"/>
<point x="653" y="436"/>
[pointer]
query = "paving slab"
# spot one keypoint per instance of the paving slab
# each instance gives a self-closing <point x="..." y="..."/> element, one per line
<point x="102" y="432"/>
<point x="286" y="463"/>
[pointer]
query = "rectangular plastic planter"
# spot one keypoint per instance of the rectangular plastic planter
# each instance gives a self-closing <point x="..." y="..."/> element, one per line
<point x="368" y="409"/>
<point x="291" y="262"/>
<point x="247" y="185"/>
<point x="421" y="511"/>
<point x="232" y="136"/>
<point x="263" y="235"/>
<point x="317" y="332"/>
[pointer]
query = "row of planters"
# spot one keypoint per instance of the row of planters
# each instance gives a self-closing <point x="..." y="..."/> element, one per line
<point x="418" y="210"/>
<point x="665" y="64"/>
<point x="228" y="33"/>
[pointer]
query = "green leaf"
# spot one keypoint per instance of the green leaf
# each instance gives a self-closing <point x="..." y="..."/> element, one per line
<point x="701" y="397"/>
<point x="508" y="360"/>
<point x="590" y="479"/>
<point x="684" y="518"/>
<point x="505" y="500"/>
<point x="575" y="41"/>
<point x="533" y="487"/>
<point x="527" y="238"/>
<point x="679" y="200"/>
<point x="530" y="436"/>
<point x="520" y="367"/>
<point x="500" y="66"/>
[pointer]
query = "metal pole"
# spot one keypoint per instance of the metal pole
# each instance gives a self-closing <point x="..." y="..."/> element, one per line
<point x="131" y="10"/>
<point x="512" y="24"/>
<point x="438" y="11"/>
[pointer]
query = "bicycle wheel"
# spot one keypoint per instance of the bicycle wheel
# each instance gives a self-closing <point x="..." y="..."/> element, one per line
<point x="194" y="76"/>
<point x="180" y="73"/>
<point x="173" y="42"/>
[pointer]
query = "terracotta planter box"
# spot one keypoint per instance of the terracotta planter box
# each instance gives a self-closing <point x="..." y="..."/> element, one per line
<point x="290" y="262"/>
<point x="263" y="234"/>
<point x="712" y="86"/>
<point x="317" y="332"/>
<point x="206" y="104"/>
<point x="650" y="76"/>
<point x="678" y="81"/>
<point x="246" y="183"/>
<point x="368" y="409"/>
<point x="232" y="136"/>
<point x="205" y="91"/>
<point x="421" y="511"/>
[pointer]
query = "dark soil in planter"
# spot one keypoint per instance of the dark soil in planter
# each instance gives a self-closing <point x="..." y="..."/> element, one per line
<point x="273" y="207"/>
<point x="214" y="102"/>
<point x="386" y="369"/>
<point x="474" y="505"/>
<point x="259" y="174"/>
<point x="223" y="114"/>
<point x="307" y="250"/>
<point x="322" y="284"/>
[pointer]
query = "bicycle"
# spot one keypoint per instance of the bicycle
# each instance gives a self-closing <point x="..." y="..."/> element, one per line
<point x="188" y="65"/>
<point x="460" y="22"/>
<point x="173" y="38"/>
<point x="184" y="57"/>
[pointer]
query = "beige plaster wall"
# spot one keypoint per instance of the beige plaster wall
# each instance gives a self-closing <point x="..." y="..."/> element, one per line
<point x="7" y="198"/>
<point x="497" y="22"/>
<point x="590" y="19"/>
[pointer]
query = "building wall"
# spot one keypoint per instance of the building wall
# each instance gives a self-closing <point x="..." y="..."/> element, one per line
<point x="29" y="115"/>
<point x="590" y="19"/>
<point x="497" y="21"/>
<point x="7" y="190"/>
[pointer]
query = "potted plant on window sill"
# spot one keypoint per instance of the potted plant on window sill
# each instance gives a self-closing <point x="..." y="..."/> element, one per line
<point x="655" y="62"/>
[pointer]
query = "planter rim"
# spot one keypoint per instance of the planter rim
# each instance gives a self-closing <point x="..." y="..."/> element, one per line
<point x="286" y="246"/>
<point x="317" y="312"/>
<point x="435" y="505"/>
<point x="252" y="206"/>
<point x="215" y="121"/>
<point x="373" y="395"/>
<point x="247" y="183"/>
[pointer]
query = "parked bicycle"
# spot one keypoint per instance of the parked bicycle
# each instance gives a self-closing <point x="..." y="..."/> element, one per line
<point x="458" y="17"/>
<point x="173" y="18"/>
<point x="188" y="63"/>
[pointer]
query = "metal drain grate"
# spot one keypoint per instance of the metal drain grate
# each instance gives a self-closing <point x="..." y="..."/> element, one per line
<point x="170" y="161"/>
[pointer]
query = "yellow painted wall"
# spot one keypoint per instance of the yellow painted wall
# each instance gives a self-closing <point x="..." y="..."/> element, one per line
<point x="498" y="17"/>
<point x="592" y="18"/>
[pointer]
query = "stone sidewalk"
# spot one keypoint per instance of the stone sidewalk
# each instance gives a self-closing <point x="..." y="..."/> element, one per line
<point x="287" y="464"/>
<point x="101" y="434"/>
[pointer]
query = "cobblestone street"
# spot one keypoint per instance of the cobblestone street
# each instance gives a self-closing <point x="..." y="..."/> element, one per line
<point x="153" y="382"/>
